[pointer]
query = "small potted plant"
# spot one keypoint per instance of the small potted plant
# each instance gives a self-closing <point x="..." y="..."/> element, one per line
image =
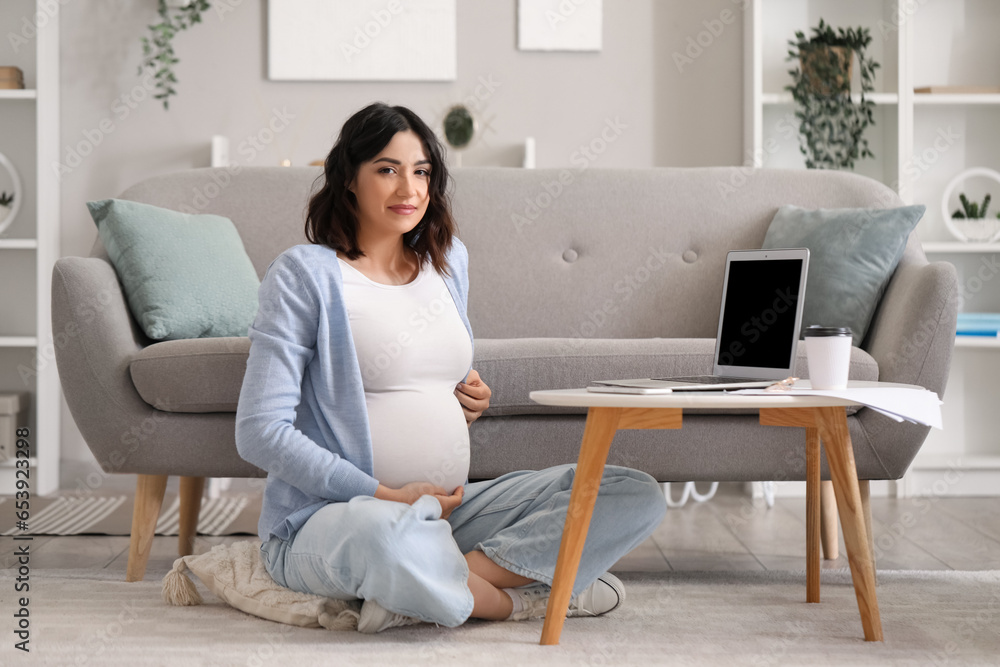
<point x="971" y="211"/>
<point x="6" y="204"/>
<point x="977" y="227"/>
<point x="831" y="123"/>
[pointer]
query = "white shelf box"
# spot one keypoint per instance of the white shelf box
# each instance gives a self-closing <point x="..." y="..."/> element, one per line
<point x="8" y="478"/>
<point x="13" y="416"/>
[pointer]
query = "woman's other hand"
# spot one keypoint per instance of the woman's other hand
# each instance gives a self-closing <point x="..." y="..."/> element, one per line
<point x="449" y="503"/>
<point x="474" y="396"/>
<point x="411" y="492"/>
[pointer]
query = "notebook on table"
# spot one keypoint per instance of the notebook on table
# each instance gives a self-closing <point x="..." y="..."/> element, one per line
<point x="759" y="322"/>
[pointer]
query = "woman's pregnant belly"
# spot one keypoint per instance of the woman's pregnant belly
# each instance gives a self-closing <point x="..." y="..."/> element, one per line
<point x="419" y="436"/>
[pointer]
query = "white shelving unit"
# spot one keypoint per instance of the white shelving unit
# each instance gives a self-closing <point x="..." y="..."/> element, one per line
<point x="920" y="141"/>
<point x="29" y="136"/>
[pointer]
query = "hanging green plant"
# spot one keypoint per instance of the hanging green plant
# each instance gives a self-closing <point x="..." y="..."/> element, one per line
<point x="831" y="124"/>
<point x="158" y="51"/>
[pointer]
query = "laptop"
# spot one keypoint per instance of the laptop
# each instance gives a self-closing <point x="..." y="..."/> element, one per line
<point x="762" y="301"/>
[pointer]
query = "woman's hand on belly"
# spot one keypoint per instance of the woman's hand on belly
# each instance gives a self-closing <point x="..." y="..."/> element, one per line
<point x="411" y="492"/>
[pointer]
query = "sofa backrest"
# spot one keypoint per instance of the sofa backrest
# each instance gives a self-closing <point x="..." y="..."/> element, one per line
<point x="592" y="253"/>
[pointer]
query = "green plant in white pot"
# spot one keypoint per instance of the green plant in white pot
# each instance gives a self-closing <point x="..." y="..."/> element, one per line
<point x="158" y="50"/>
<point x="6" y="205"/>
<point x="976" y="226"/>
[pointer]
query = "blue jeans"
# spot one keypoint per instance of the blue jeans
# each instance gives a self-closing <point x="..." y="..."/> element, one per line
<point x="410" y="561"/>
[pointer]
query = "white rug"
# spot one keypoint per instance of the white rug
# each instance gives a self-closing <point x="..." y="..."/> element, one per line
<point x="82" y="617"/>
<point x="230" y="514"/>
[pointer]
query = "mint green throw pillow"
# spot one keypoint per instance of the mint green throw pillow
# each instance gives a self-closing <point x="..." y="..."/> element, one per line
<point x="852" y="254"/>
<point x="185" y="276"/>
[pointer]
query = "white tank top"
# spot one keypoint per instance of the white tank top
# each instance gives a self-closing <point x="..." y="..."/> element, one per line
<point x="413" y="349"/>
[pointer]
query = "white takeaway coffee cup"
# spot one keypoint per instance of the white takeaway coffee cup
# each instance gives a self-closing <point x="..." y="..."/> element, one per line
<point x="828" y="353"/>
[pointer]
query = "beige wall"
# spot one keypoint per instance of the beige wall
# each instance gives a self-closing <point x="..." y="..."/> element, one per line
<point x="690" y="116"/>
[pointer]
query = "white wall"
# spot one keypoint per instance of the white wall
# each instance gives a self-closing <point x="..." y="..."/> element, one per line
<point x="689" y="116"/>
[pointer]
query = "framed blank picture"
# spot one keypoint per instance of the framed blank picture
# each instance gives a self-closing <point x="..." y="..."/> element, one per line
<point x="361" y="40"/>
<point x="559" y="25"/>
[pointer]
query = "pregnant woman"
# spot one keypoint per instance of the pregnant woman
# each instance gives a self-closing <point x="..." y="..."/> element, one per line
<point x="358" y="398"/>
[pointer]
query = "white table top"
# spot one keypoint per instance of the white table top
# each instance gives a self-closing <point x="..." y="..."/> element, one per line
<point x="697" y="399"/>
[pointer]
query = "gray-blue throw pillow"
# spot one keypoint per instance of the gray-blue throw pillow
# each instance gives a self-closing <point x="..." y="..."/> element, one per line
<point x="184" y="276"/>
<point x="852" y="254"/>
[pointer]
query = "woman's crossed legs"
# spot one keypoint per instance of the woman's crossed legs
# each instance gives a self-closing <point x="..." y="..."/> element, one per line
<point x="505" y="534"/>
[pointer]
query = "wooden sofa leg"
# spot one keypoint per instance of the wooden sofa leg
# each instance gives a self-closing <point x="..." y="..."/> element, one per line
<point x="191" y="490"/>
<point x="828" y="519"/>
<point x="149" y="490"/>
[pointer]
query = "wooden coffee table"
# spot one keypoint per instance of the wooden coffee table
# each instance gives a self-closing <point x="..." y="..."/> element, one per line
<point x="823" y="418"/>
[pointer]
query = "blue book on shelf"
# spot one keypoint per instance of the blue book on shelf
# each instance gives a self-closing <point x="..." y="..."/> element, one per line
<point x="979" y="324"/>
<point x="979" y="327"/>
<point x="978" y="318"/>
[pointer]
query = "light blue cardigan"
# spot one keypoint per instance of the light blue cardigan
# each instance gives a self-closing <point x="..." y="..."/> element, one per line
<point x="302" y="415"/>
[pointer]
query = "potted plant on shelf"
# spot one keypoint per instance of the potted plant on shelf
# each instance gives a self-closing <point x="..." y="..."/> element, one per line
<point x="158" y="51"/>
<point x="977" y="226"/>
<point x="831" y="123"/>
<point x="5" y="205"/>
<point x="971" y="211"/>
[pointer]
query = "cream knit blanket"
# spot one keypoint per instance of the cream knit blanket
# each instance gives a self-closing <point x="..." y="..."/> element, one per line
<point x="236" y="573"/>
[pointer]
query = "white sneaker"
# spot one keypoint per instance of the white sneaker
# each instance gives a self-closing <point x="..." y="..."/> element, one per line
<point x="602" y="596"/>
<point x="605" y="594"/>
<point x="376" y="618"/>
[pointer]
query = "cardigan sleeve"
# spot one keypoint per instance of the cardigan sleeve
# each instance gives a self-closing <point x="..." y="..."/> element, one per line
<point x="282" y="343"/>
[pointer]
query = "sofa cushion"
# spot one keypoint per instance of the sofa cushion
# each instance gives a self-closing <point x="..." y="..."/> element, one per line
<point x="206" y="374"/>
<point x="192" y="375"/>
<point x="852" y="254"/>
<point x="184" y="276"/>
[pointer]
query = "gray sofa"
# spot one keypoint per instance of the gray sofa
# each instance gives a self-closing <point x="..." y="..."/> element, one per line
<point x="573" y="276"/>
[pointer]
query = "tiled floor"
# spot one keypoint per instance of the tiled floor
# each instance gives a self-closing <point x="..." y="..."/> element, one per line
<point x="729" y="532"/>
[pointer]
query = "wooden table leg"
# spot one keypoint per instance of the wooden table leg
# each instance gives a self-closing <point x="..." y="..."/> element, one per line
<point x="599" y="432"/>
<point x="812" y="515"/>
<point x="832" y="423"/>
<point x="866" y="506"/>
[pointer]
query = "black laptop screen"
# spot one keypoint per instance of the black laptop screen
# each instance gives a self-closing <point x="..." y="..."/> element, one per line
<point x="759" y="321"/>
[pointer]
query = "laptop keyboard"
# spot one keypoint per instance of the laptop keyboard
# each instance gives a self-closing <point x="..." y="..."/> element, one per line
<point x="706" y="379"/>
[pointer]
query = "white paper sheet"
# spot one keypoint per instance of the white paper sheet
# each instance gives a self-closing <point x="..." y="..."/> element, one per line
<point x="919" y="406"/>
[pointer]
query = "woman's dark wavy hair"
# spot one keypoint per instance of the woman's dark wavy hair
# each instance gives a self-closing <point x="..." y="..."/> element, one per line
<point x="332" y="215"/>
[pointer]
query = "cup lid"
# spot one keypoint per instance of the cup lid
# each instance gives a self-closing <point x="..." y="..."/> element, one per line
<point x="817" y="330"/>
